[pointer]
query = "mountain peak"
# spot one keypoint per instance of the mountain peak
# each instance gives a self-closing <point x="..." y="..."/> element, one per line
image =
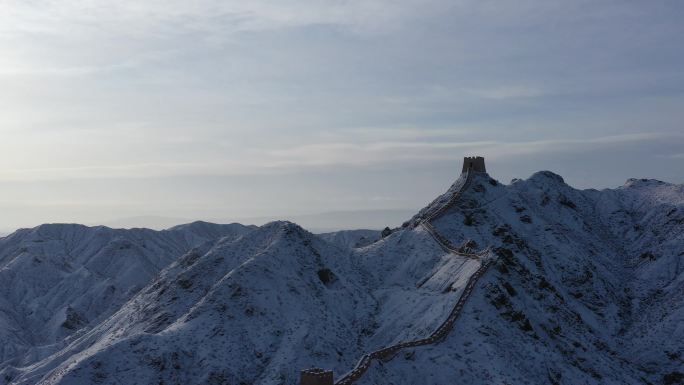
<point x="546" y="176"/>
<point x="642" y="182"/>
<point x="283" y="225"/>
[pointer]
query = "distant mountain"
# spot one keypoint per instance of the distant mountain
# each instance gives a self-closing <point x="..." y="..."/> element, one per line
<point x="154" y="222"/>
<point x="586" y="287"/>
<point x="352" y="238"/>
<point x="318" y="223"/>
<point x="334" y="221"/>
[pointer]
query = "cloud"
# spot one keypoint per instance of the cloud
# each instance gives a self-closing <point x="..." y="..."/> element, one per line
<point x="508" y="92"/>
<point x="342" y="154"/>
<point x="397" y="152"/>
<point x="70" y="17"/>
<point x="161" y="89"/>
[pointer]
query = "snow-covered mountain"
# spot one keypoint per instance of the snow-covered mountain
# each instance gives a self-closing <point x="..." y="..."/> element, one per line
<point x="58" y="279"/>
<point x="352" y="238"/>
<point x="587" y="287"/>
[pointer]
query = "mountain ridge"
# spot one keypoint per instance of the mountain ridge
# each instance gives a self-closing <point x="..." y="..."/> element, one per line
<point x="587" y="289"/>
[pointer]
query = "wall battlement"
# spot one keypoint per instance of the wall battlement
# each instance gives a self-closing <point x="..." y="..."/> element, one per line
<point x="474" y="163"/>
<point x="316" y="376"/>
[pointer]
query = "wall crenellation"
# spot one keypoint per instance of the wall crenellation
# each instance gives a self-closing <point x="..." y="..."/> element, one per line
<point x="474" y="163"/>
<point x="316" y="376"/>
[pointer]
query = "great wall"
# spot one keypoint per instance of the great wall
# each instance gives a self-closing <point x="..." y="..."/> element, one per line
<point x="323" y="377"/>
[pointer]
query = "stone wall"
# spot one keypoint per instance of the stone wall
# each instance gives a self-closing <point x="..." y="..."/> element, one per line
<point x="316" y="376"/>
<point x="474" y="163"/>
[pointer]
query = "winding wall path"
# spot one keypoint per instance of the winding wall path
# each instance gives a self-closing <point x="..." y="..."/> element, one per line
<point x="443" y="330"/>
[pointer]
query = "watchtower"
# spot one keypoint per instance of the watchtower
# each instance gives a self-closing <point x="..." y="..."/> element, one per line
<point x="473" y="163"/>
<point x="316" y="376"/>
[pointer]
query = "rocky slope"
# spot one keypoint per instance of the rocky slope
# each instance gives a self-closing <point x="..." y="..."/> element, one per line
<point x="352" y="238"/>
<point x="588" y="288"/>
<point x="59" y="279"/>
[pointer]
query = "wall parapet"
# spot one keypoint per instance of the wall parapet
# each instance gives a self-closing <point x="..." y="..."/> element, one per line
<point x="474" y="163"/>
<point x="316" y="376"/>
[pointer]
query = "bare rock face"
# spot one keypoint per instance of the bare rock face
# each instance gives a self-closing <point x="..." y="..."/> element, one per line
<point x="74" y="320"/>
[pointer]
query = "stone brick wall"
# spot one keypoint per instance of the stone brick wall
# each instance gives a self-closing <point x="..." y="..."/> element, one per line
<point x="474" y="163"/>
<point x="316" y="376"/>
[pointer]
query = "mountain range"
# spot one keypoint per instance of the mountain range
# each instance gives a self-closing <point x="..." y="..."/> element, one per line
<point x="576" y="287"/>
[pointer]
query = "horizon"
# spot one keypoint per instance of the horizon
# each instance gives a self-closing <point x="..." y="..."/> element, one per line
<point x="318" y="222"/>
<point x="270" y="109"/>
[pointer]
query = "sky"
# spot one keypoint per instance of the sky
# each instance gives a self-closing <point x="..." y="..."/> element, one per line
<point x="228" y="110"/>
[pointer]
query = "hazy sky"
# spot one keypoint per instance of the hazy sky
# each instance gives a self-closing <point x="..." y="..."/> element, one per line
<point x="230" y="109"/>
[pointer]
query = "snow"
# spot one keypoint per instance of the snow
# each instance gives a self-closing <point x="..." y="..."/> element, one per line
<point x="89" y="272"/>
<point x="352" y="238"/>
<point x="588" y="288"/>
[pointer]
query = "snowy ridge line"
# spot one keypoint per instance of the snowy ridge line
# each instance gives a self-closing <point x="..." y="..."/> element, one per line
<point x="442" y="241"/>
<point x="443" y="330"/>
<point x="489" y="202"/>
<point x="452" y="201"/>
<point x="437" y="336"/>
<point x="446" y="244"/>
<point x="457" y="195"/>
